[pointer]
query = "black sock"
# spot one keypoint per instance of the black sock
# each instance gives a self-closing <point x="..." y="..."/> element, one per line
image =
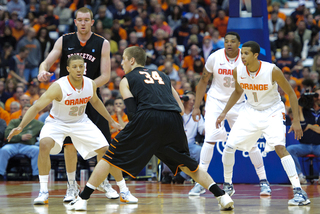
<point x="85" y="194"/>
<point x="215" y="189"/>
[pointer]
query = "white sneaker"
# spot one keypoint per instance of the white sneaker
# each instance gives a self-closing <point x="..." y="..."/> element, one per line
<point x="126" y="197"/>
<point x="300" y="198"/>
<point x="72" y="191"/>
<point x="225" y="202"/>
<point x="42" y="199"/>
<point x="78" y="204"/>
<point x="197" y="190"/>
<point x="106" y="187"/>
<point x="302" y="179"/>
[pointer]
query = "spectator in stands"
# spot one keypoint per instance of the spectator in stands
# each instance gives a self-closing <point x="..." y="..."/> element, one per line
<point x="149" y="62"/>
<point x="52" y="20"/>
<point x="119" y="116"/>
<point x="24" y="99"/>
<point x="46" y="43"/>
<point x="310" y="141"/>
<point x="283" y="3"/>
<point x="302" y="33"/>
<point x="120" y="12"/>
<point x="127" y="24"/>
<point x="106" y="22"/>
<point x="5" y="57"/>
<point x="6" y="19"/>
<point x="140" y="29"/>
<point x="116" y="67"/>
<point x="10" y="87"/>
<point x="33" y="90"/>
<point x="221" y="23"/>
<point x="279" y="42"/>
<point x="289" y="25"/>
<point x="107" y="34"/>
<point x="174" y="19"/>
<point x="316" y="13"/>
<point x="16" y="97"/>
<point x="17" y="65"/>
<point x="105" y="94"/>
<point x="23" y="143"/>
<point x="110" y="106"/>
<point x="45" y="113"/>
<point x="33" y="7"/>
<point x="160" y="24"/>
<point x="170" y="71"/>
<point x="34" y="57"/>
<point x="3" y="95"/>
<point x="4" y="115"/>
<point x="65" y="16"/>
<point x="188" y="60"/>
<point x="192" y="10"/>
<point x="212" y="10"/>
<point x="307" y="85"/>
<point x="8" y="38"/>
<point x="19" y="6"/>
<point x="133" y="39"/>
<point x="118" y="33"/>
<point x="3" y="127"/>
<point x="207" y="47"/>
<point x="285" y="59"/>
<point x="14" y="106"/>
<point x="123" y="44"/>
<point x="200" y="16"/>
<point x="18" y="31"/>
<point x="298" y="13"/>
<point x="41" y="23"/>
<point x="182" y="32"/>
<point x="275" y="23"/>
<point x="275" y="8"/>
<point x="294" y="45"/>
<point x="316" y="64"/>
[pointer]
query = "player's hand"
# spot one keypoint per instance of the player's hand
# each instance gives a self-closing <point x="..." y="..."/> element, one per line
<point x="196" y="114"/>
<point x="14" y="132"/>
<point x="44" y="76"/>
<point x="296" y="127"/>
<point x="220" y="119"/>
<point x="116" y="125"/>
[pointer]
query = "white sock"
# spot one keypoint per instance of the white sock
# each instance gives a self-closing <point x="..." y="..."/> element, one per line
<point x="71" y="176"/>
<point x="122" y="186"/>
<point x="43" y="183"/>
<point x="206" y="155"/>
<point x="290" y="168"/>
<point x="257" y="161"/>
<point x="228" y="162"/>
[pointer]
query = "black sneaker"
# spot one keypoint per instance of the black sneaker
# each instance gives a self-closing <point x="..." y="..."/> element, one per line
<point x="167" y="179"/>
<point x="178" y="179"/>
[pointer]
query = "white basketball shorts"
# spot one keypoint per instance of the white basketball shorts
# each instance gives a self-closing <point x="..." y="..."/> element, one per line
<point x="85" y="136"/>
<point x="251" y="123"/>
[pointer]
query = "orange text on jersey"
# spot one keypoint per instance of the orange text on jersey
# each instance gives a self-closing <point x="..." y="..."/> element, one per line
<point x="225" y="71"/>
<point x="256" y="87"/>
<point x="77" y="101"/>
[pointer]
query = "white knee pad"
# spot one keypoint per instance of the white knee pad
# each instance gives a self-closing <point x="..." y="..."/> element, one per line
<point x="228" y="155"/>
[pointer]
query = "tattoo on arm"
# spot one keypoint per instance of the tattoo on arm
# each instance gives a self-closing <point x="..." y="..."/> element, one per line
<point x="205" y="75"/>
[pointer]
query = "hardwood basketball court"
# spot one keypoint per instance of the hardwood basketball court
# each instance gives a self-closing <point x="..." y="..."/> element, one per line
<point x="154" y="198"/>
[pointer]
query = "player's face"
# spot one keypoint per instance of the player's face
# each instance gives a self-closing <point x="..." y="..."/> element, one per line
<point x="247" y="56"/>
<point x="83" y="22"/>
<point x="126" y="64"/>
<point x="231" y="44"/>
<point x="76" y="69"/>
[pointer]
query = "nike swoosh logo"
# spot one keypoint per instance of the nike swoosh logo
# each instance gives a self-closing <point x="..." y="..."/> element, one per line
<point x="222" y="63"/>
<point x="70" y="49"/>
<point x="69" y="94"/>
<point x="242" y="77"/>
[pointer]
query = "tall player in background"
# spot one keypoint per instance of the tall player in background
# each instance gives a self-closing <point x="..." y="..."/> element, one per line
<point x="95" y="51"/>
<point x="220" y="64"/>
<point x="263" y="113"/>
<point x="70" y="96"/>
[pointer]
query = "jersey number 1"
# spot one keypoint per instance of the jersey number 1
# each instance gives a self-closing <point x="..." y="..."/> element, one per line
<point x="155" y="76"/>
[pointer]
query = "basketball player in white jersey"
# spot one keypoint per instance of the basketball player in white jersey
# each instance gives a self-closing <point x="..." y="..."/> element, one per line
<point x="70" y="95"/>
<point x="220" y="64"/>
<point x="263" y="113"/>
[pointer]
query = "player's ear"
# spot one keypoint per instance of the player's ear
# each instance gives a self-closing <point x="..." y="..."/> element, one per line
<point x="68" y="69"/>
<point x="92" y="22"/>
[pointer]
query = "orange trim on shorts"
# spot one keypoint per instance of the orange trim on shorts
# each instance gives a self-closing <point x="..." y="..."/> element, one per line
<point x="189" y="169"/>
<point x="177" y="169"/>
<point x="195" y="169"/>
<point x="51" y="116"/>
<point x="110" y="152"/>
<point x="113" y="146"/>
<point x="116" y="140"/>
<point x="118" y="167"/>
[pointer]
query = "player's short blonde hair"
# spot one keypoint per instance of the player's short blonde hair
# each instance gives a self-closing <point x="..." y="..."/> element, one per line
<point x="85" y="10"/>
<point x="137" y="53"/>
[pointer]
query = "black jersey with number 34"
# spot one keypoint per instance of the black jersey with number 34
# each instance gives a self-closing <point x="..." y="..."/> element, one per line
<point x="90" y="51"/>
<point x="151" y="90"/>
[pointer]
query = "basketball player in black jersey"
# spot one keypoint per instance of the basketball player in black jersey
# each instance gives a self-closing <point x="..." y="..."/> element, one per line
<point x="95" y="51"/>
<point x="155" y="128"/>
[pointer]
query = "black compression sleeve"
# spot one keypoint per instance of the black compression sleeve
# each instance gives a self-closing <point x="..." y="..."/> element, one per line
<point x="131" y="107"/>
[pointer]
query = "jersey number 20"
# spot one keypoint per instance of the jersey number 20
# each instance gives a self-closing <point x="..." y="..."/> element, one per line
<point x="154" y="77"/>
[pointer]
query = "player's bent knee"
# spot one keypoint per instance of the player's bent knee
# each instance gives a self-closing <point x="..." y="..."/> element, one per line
<point x="46" y="145"/>
<point x="281" y="151"/>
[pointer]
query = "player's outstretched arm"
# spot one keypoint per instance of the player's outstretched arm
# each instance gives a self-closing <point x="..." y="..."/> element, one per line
<point x="98" y="105"/>
<point x="55" y="53"/>
<point x="177" y="98"/>
<point x="201" y="90"/>
<point x="53" y="92"/>
<point x="105" y="68"/>
<point x="278" y="77"/>
<point x="235" y="96"/>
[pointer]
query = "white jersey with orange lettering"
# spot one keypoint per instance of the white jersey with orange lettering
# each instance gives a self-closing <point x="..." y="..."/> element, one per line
<point x="68" y="118"/>
<point x="261" y="92"/>
<point x="72" y="107"/>
<point x="222" y="69"/>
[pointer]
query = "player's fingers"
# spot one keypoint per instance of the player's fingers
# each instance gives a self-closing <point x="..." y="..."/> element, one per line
<point x="290" y="129"/>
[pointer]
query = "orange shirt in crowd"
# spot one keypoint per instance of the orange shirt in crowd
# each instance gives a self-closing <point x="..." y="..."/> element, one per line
<point x="8" y="103"/>
<point x="280" y="15"/>
<point x="17" y="34"/>
<point x="17" y="114"/>
<point x="161" y="67"/>
<point x="221" y="25"/>
<point x="131" y="8"/>
<point x="188" y="62"/>
<point x="183" y="2"/>
<point x="4" y="115"/>
<point x="141" y="33"/>
<point x="32" y="98"/>
<point x="123" y="33"/>
<point x="115" y="118"/>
